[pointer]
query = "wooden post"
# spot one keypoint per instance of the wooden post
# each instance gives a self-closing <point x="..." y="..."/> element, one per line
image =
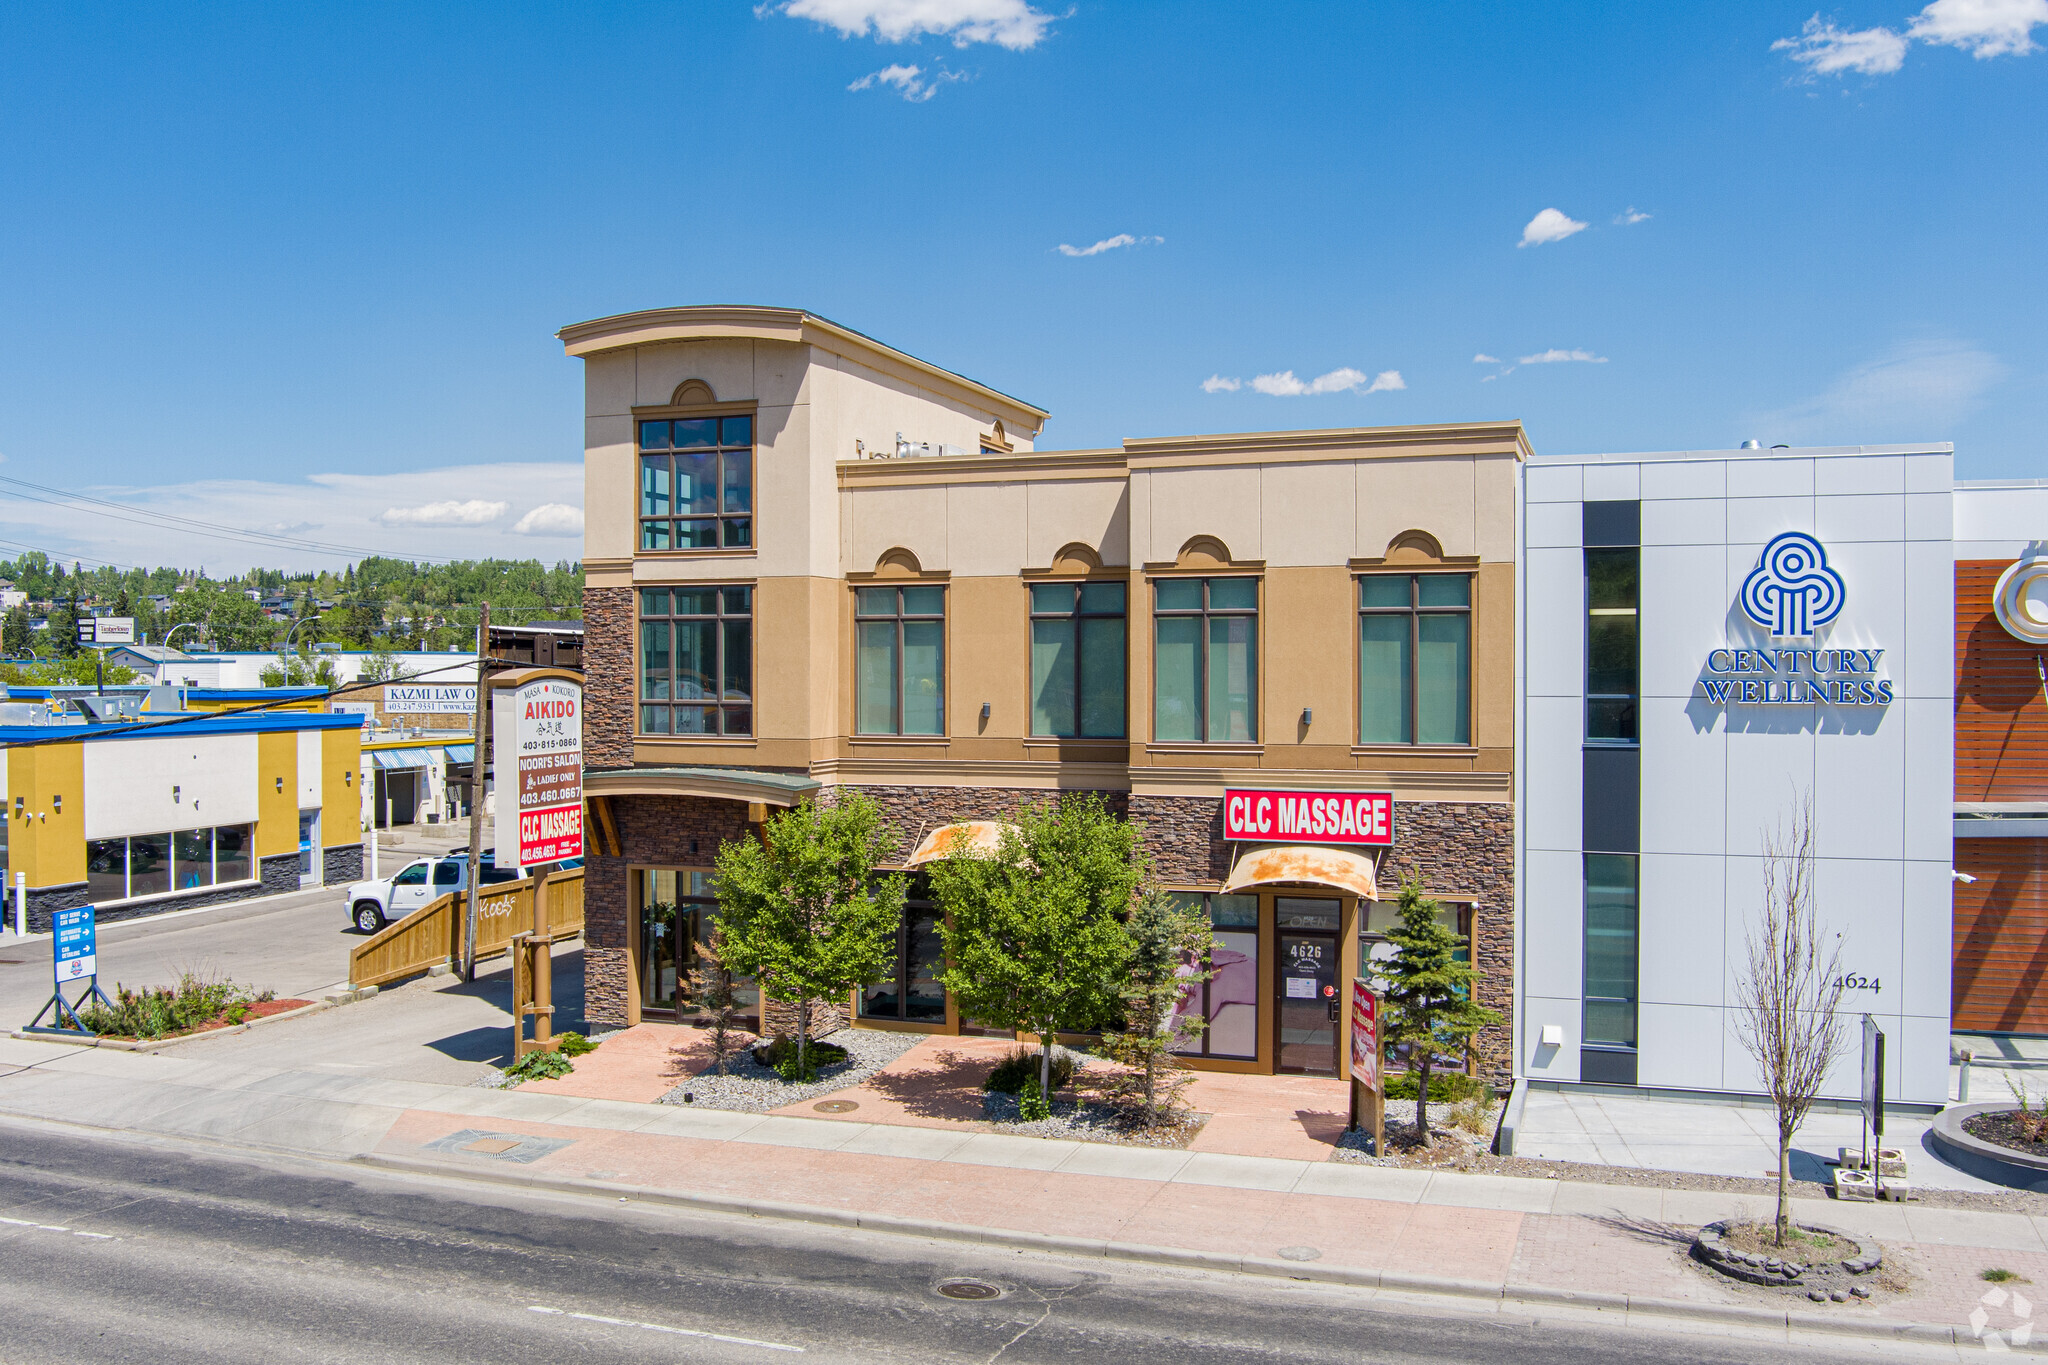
<point x="543" y="967"/>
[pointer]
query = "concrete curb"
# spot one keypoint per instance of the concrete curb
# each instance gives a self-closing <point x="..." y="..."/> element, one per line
<point x="1985" y="1160"/>
<point x="1677" y="1310"/>
<point x="1511" y="1117"/>
<point x="123" y="1045"/>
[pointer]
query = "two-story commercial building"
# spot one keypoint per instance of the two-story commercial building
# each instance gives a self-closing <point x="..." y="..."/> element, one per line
<point x="816" y="562"/>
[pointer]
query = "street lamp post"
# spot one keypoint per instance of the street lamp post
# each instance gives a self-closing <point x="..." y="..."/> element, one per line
<point x="182" y="625"/>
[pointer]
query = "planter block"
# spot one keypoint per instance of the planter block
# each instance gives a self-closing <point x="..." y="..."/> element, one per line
<point x="1855" y="1185"/>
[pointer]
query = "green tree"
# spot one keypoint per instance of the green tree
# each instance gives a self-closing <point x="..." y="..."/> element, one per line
<point x="1170" y="942"/>
<point x="1428" y="993"/>
<point x="805" y="914"/>
<point x="15" y="633"/>
<point x="1034" y="932"/>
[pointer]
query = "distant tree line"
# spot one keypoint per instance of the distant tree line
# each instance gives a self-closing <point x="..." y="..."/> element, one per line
<point x="375" y="603"/>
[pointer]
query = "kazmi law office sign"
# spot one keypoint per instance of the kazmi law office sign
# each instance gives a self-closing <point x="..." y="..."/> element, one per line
<point x="1327" y="817"/>
<point x="537" y="732"/>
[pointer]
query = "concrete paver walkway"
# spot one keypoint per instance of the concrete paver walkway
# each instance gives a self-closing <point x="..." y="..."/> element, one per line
<point x="1504" y="1235"/>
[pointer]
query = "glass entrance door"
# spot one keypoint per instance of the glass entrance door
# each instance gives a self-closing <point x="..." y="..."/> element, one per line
<point x="1309" y="1009"/>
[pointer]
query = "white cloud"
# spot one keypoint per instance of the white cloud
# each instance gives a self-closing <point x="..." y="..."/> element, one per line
<point x="1484" y="359"/>
<point x="1216" y="383"/>
<point x="1122" y="239"/>
<point x="1555" y="356"/>
<point x="471" y="512"/>
<point x="1915" y="391"/>
<point x="1006" y="23"/>
<point x="1630" y="216"/>
<point x="1825" y="50"/>
<point x="910" y="81"/>
<point x="1549" y="226"/>
<point x="1344" y="380"/>
<point x="342" y="510"/>
<point x="550" y="519"/>
<point x="1982" y="28"/>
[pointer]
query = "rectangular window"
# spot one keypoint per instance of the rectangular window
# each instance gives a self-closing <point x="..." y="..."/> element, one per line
<point x="1229" y="1000"/>
<point x="901" y="658"/>
<point x="1205" y="664"/>
<point x="232" y="861"/>
<point x="1415" y="659"/>
<point x="192" y="854"/>
<point x="678" y="910"/>
<point x="1610" y="990"/>
<point x="911" y="990"/>
<point x="149" y="864"/>
<point x="697" y="483"/>
<point x="1611" y="644"/>
<point x="1077" y="660"/>
<point x="697" y="661"/>
<point x="106" y="869"/>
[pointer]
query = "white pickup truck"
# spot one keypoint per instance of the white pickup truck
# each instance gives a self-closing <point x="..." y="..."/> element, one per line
<point x="372" y="905"/>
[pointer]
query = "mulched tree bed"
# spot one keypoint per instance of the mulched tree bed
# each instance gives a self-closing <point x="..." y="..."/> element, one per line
<point x="2005" y="1128"/>
<point x="1082" y="1119"/>
<point x="251" y="1010"/>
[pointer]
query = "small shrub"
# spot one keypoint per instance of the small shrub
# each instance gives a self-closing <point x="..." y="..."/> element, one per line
<point x="540" y="1066"/>
<point x="1032" y="1105"/>
<point x="1473" y="1116"/>
<point x="1019" y="1068"/>
<point x="780" y="1053"/>
<point x="1448" y="1087"/>
<point x="156" y="1012"/>
<point x="2000" y="1275"/>
<point x="573" y="1044"/>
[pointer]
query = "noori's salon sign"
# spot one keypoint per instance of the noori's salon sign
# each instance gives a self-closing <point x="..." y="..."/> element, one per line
<point x="1792" y="593"/>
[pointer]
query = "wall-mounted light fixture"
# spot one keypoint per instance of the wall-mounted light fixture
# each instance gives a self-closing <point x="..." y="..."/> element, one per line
<point x="175" y="798"/>
<point x="346" y="777"/>
<point x="1307" y="716"/>
<point x="57" y="804"/>
<point x="19" y="802"/>
<point x="984" y="711"/>
<point x="280" y="786"/>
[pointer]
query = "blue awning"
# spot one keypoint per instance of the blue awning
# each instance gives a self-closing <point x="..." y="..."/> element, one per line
<point x="461" y="753"/>
<point x="402" y="758"/>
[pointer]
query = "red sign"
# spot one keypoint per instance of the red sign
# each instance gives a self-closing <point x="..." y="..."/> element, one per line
<point x="1324" y="817"/>
<point x="1365" y="1037"/>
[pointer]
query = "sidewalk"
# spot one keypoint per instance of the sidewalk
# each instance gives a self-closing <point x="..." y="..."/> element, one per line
<point x="1494" y="1236"/>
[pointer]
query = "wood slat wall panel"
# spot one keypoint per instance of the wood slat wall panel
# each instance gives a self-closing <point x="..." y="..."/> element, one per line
<point x="2001" y="714"/>
<point x="2001" y="936"/>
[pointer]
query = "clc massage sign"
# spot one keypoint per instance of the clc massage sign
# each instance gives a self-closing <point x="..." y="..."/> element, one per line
<point x="1327" y="817"/>
<point x="1792" y="593"/>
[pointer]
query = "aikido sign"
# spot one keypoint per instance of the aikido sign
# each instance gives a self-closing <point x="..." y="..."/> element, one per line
<point x="1793" y="593"/>
<point x="537" y="733"/>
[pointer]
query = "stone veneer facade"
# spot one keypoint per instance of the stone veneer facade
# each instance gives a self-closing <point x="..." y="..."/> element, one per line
<point x="609" y="704"/>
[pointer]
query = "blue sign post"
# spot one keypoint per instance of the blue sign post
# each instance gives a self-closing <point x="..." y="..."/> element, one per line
<point x="74" y="956"/>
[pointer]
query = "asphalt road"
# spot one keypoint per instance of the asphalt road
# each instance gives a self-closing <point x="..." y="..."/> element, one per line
<point x="119" y="1249"/>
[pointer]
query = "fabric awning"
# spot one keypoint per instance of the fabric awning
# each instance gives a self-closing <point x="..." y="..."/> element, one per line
<point x="461" y="753"/>
<point x="1337" y="868"/>
<point x="402" y="758"/>
<point x="968" y="836"/>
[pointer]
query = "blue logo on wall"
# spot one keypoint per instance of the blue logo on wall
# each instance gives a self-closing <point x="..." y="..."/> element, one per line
<point x="1792" y="592"/>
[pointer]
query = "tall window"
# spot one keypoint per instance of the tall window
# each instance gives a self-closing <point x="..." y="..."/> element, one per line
<point x="1077" y="660"/>
<point x="153" y="864"/>
<point x="1205" y="664"/>
<point x="697" y="661"/>
<point x="678" y="910"/>
<point x="1228" y="1002"/>
<point x="1415" y="659"/>
<point x="1610" y="1018"/>
<point x="902" y="658"/>
<point x="697" y="483"/>
<point x="912" y="989"/>
<point x="1611" y="632"/>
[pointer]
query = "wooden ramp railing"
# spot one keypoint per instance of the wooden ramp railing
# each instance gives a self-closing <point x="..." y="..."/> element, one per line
<point x="433" y="935"/>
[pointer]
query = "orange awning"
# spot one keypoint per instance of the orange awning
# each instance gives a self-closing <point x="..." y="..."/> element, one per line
<point x="968" y="836"/>
<point x="1337" y="868"/>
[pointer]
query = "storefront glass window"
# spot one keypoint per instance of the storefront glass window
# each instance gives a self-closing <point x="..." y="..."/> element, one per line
<point x="697" y="661"/>
<point x="231" y="854"/>
<point x="696" y="484"/>
<point x="1611" y="637"/>
<point x="1205" y="661"/>
<point x="106" y="869"/>
<point x="1229" y="999"/>
<point x="1077" y="660"/>
<point x="1415" y="659"/>
<point x="1610" y="1019"/>
<point x="900" y="670"/>
<point x="193" y="850"/>
<point x="912" y="990"/>
<point x="149" y="864"/>
<point x="678" y="910"/>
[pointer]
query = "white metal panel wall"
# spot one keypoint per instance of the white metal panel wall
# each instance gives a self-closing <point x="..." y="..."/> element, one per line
<point x="148" y="786"/>
<point x="309" y="769"/>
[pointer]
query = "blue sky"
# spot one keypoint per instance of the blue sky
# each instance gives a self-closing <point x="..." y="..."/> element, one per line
<point x="298" y="268"/>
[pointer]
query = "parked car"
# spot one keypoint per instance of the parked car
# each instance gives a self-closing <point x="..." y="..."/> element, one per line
<point x="372" y="905"/>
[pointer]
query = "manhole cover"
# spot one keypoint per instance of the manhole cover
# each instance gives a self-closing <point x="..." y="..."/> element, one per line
<point x="836" y="1106"/>
<point x="1300" y="1254"/>
<point x="968" y="1289"/>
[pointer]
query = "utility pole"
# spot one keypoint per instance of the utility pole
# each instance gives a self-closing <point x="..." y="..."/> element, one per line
<point x="479" y="764"/>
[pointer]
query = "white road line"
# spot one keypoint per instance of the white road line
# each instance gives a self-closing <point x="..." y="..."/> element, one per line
<point x="659" y="1327"/>
<point x="51" y="1227"/>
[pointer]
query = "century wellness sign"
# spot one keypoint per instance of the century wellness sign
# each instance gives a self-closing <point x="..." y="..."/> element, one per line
<point x="1326" y="817"/>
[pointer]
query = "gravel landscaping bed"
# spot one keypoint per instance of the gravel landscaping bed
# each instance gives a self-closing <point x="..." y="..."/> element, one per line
<point x="750" y="1088"/>
<point x="1098" y="1122"/>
